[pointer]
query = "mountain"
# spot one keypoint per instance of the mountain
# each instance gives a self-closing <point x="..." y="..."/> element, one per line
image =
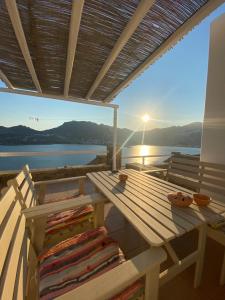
<point x="80" y="132"/>
<point x="186" y="136"/>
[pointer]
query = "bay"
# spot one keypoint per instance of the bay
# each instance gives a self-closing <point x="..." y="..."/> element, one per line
<point x="36" y="162"/>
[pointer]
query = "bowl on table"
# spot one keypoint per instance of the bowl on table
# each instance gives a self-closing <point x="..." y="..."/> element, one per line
<point x="201" y="199"/>
<point x="123" y="177"/>
<point x="180" y="199"/>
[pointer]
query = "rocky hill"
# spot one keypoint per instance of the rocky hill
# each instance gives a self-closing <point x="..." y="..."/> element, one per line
<point x="80" y="132"/>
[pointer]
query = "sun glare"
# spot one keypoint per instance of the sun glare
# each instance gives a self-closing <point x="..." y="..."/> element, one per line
<point x="145" y="118"/>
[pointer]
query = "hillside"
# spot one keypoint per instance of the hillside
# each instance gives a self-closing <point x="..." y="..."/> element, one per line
<point x="80" y="132"/>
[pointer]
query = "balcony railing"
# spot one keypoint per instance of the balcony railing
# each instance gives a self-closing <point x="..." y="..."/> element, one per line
<point x="51" y="153"/>
<point x="143" y="157"/>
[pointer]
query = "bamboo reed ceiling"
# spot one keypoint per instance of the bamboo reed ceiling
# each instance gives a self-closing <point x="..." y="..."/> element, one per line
<point x="46" y="26"/>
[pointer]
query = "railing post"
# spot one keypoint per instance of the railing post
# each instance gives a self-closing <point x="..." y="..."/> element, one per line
<point x="109" y="158"/>
<point x="114" y="166"/>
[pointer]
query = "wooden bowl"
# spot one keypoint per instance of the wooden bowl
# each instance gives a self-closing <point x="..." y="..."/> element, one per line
<point x="180" y="199"/>
<point x="123" y="177"/>
<point x="201" y="199"/>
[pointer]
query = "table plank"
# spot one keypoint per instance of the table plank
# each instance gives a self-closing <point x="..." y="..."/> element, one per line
<point x="204" y="213"/>
<point x="149" y="235"/>
<point x="176" y="214"/>
<point x="218" y="205"/>
<point x="157" y="220"/>
<point x="163" y="201"/>
<point x="146" y="218"/>
<point x="143" y="201"/>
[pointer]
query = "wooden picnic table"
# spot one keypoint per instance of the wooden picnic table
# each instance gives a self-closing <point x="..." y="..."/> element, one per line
<point x="143" y="202"/>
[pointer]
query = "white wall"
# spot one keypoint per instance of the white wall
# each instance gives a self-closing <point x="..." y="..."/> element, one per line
<point x="213" y="139"/>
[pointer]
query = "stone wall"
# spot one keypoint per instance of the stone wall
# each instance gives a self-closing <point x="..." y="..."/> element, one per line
<point x="47" y="174"/>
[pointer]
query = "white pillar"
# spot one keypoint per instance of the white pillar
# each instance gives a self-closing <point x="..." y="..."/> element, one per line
<point x="114" y="138"/>
<point x="213" y="139"/>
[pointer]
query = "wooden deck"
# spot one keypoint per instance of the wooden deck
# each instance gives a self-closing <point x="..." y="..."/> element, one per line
<point x="180" y="287"/>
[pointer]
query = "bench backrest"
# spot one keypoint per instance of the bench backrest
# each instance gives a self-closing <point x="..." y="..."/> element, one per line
<point x="183" y="170"/>
<point x="13" y="248"/>
<point x="212" y="180"/>
<point x="188" y="171"/>
<point x="24" y="188"/>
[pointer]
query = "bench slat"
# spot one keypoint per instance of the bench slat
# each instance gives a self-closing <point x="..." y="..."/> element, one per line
<point x="8" y="233"/>
<point x="9" y="276"/>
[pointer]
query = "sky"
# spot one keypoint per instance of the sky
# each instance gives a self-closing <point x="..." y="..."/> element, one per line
<point x="171" y="91"/>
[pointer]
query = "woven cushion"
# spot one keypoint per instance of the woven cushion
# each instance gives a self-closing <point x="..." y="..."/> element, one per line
<point x="77" y="260"/>
<point x="133" y="292"/>
<point x="67" y="218"/>
<point x="61" y="198"/>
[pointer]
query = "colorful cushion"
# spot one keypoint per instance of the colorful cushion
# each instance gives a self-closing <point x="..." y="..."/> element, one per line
<point x="77" y="260"/>
<point x="67" y="218"/>
<point x="60" y="198"/>
<point x="133" y="292"/>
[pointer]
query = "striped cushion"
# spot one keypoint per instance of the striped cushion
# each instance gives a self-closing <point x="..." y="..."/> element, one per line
<point x="60" y="198"/>
<point x="133" y="292"/>
<point x="67" y="218"/>
<point x="75" y="261"/>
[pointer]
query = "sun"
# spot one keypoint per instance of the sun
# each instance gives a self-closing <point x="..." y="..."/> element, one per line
<point x="145" y="118"/>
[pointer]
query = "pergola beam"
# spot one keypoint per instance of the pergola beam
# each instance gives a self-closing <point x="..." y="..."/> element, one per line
<point x="203" y="12"/>
<point x="6" y="80"/>
<point x="128" y="31"/>
<point x="57" y="97"/>
<point x="18" y="29"/>
<point x="77" y="8"/>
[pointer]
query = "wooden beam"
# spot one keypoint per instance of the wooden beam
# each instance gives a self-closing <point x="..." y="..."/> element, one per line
<point x="169" y="43"/>
<point x="40" y="211"/>
<point x="128" y="31"/>
<point x="77" y="8"/>
<point x="57" y="97"/>
<point x="18" y="29"/>
<point x="6" y="80"/>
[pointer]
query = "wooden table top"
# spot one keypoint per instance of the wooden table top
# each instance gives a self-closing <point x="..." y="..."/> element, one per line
<point x="143" y="202"/>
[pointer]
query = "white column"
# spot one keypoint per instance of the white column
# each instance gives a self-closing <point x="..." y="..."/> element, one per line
<point x="114" y="138"/>
<point x="213" y="139"/>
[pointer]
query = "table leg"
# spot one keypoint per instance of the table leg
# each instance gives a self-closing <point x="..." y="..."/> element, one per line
<point x="172" y="253"/>
<point x="152" y="284"/>
<point x="222" y="275"/>
<point x="99" y="214"/>
<point x="201" y="252"/>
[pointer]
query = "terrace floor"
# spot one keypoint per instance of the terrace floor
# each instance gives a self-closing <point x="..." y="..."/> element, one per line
<point x="181" y="287"/>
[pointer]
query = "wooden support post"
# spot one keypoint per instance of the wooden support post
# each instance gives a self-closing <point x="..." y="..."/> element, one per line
<point x="41" y="193"/>
<point x="32" y="280"/>
<point x="81" y="186"/>
<point x="38" y="233"/>
<point x="109" y="158"/>
<point x="152" y="284"/>
<point x="222" y="275"/>
<point x="172" y="253"/>
<point x="201" y="252"/>
<point x="99" y="215"/>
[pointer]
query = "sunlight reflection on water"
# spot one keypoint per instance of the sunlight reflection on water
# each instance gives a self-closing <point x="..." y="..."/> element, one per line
<point x="144" y="150"/>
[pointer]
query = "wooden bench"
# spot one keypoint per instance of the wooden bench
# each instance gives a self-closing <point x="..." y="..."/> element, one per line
<point x="183" y="170"/>
<point x="29" y="196"/>
<point x="25" y="177"/>
<point x="19" y="263"/>
<point x="204" y="177"/>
